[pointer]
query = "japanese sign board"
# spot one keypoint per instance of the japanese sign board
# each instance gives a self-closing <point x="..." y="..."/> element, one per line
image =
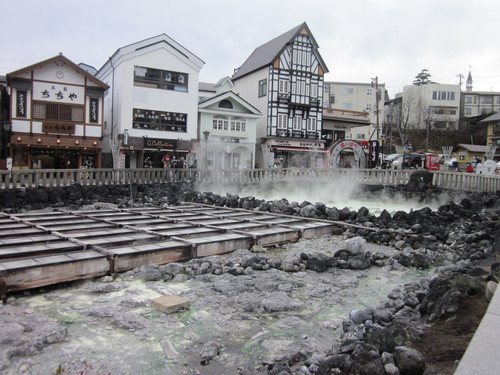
<point x="21" y="103"/>
<point x="48" y="127"/>
<point x="54" y="92"/>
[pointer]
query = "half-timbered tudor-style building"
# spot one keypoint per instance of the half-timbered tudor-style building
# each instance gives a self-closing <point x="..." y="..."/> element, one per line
<point x="283" y="79"/>
<point x="56" y="116"/>
<point x="152" y="104"/>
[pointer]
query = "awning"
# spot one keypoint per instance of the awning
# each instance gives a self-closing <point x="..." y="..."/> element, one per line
<point x="297" y="149"/>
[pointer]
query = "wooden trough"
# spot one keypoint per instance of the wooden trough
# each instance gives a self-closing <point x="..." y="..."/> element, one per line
<point x="43" y="248"/>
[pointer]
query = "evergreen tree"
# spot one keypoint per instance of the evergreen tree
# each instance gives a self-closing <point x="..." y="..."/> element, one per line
<point x="422" y="78"/>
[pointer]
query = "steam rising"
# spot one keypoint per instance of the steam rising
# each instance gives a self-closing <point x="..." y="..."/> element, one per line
<point x="339" y="193"/>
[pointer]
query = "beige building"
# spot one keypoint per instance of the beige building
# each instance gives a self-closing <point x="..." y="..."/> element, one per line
<point x="359" y="97"/>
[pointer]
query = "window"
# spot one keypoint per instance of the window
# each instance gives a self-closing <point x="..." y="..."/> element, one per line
<point x="348" y="90"/>
<point x="498" y="99"/>
<point x="262" y="87"/>
<point x="311" y="124"/>
<point x="468" y="100"/>
<point x="314" y="91"/>
<point x="443" y="95"/>
<point x="467" y="111"/>
<point x="368" y="107"/>
<point x="282" y="121"/>
<point x="284" y="86"/>
<point x="220" y="123"/>
<point x="59" y="112"/>
<point x="159" y="120"/>
<point x="346" y="106"/>
<point x="360" y="136"/>
<point x="226" y="104"/>
<point x="369" y="91"/>
<point x="486" y="100"/>
<point x="160" y="79"/>
<point x="238" y="124"/>
<point x="297" y="123"/>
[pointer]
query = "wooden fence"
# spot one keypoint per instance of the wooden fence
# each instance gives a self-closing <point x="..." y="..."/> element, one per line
<point x="94" y="177"/>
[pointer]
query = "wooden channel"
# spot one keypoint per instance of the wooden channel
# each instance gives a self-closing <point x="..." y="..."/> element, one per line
<point x="44" y="248"/>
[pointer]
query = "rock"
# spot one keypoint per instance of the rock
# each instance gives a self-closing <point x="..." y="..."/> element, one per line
<point x="355" y="245"/>
<point x="409" y="361"/>
<point x="358" y="263"/>
<point x="209" y="351"/>
<point x="172" y="268"/>
<point x="319" y="262"/>
<point x="357" y="316"/>
<point x="391" y="369"/>
<point x="343" y="362"/>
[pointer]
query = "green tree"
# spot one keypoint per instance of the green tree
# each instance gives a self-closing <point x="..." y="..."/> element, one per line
<point x="422" y="78"/>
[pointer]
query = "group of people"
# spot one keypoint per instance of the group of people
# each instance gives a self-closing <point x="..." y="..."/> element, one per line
<point x="166" y="161"/>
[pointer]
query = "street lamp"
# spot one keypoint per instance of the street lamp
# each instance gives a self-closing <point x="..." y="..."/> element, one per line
<point x="6" y="128"/>
<point x="206" y="134"/>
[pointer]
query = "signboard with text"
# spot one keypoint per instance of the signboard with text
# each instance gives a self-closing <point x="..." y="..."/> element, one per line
<point x="54" y="92"/>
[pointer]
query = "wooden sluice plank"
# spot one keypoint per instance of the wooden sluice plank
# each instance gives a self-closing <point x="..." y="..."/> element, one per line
<point x="129" y="257"/>
<point x="39" y="271"/>
<point x="26" y="231"/>
<point x="24" y="251"/>
<point x="131" y="238"/>
<point x="28" y="239"/>
<point x="217" y="244"/>
<point x="78" y="227"/>
<point x="102" y="233"/>
<point x="272" y="235"/>
<point x="311" y="229"/>
<point x="187" y="232"/>
<point x="139" y="221"/>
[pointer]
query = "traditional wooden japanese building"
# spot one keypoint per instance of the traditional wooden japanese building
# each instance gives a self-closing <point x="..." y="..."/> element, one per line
<point x="56" y="116"/>
<point x="283" y="79"/>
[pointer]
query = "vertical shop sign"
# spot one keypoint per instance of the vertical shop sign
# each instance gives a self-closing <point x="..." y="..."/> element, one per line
<point x="94" y="110"/>
<point x="21" y="103"/>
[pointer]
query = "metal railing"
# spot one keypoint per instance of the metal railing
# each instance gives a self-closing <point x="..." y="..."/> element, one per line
<point x="95" y="177"/>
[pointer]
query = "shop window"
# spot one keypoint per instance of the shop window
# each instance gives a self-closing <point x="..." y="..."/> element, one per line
<point x="160" y="79"/>
<point x="159" y="120"/>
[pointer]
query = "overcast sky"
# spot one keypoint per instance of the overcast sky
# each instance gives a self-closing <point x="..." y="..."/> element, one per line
<point x="358" y="40"/>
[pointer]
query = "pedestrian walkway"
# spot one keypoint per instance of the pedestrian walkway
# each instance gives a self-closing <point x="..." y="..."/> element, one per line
<point x="482" y="356"/>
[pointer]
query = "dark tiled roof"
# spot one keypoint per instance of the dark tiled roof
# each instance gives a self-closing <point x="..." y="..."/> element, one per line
<point x="267" y="53"/>
<point x="493" y="118"/>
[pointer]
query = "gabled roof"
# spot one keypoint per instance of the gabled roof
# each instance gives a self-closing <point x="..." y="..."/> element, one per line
<point x="493" y="118"/>
<point x="65" y="60"/>
<point x="206" y="86"/>
<point x="474" y="148"/>
<point x="160" y="39"/>
<point x="268" y="52"/>
<point x="226" y="95"/>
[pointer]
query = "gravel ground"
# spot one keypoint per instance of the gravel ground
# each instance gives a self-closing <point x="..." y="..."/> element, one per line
<point x="235" y="323"/>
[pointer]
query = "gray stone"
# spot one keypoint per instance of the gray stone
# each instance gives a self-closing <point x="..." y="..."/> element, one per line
<point x="409" y="361"/>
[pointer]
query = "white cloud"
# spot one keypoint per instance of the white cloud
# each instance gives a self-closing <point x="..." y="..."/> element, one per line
<point x="358" y="40"/>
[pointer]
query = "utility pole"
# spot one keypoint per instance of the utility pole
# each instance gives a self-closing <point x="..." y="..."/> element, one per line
<point x="377" y="99"/>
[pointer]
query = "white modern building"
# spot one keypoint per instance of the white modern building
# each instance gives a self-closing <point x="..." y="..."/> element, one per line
<point x="432" y="105"/>
<point x="151" y="115"/>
